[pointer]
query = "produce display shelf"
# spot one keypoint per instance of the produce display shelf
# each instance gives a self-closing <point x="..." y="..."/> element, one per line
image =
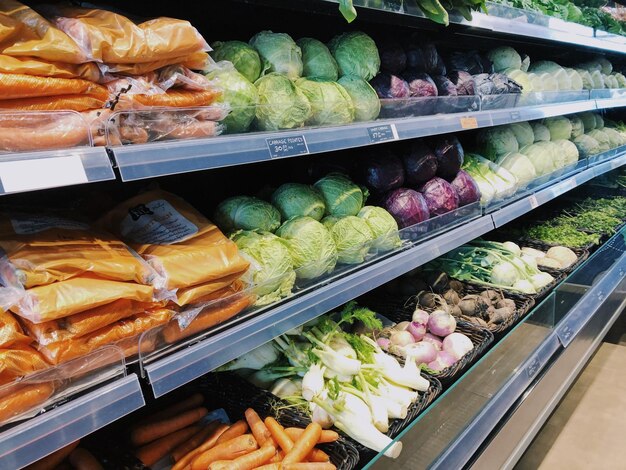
<point x="181" y="367"/>
<point x="31" y="171"/>
<point x="571" y="321"/>
<point x="33" y="439"/>
<point x="136" y="162"/>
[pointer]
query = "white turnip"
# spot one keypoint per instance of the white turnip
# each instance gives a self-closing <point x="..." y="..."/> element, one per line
<point x="457" y="344"/>
<point x="441" y="323"/>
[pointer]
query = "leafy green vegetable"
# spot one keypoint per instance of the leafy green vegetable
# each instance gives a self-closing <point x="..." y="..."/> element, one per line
<point x="281" y="104"/>
<point x="356" y="54"/>
<point x="341" y="196"/>
<point x="296" y="200"/>
<point x="330" y="103"/>
<point x="317" y="61"/>
<point x="243" y="57"/>
<point x="279" y="52"/>
<point x="246" y="213"/>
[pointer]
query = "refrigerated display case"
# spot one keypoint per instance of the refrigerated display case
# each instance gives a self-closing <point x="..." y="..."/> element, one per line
<point x="489" y="409"/>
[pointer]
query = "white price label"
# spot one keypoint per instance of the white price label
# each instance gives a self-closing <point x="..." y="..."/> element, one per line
<point x="42" y="173"/>
<point x="533" y="201"/>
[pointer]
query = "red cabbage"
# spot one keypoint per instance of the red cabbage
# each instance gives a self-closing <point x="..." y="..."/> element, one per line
<point x="444" y="86"/>
<point x="450" y="155"/>
<point x="466" y="188"/>
<point x="423" y="57"/>
<point x="463" y="82"/>
<point x="389" y="86"/>
<point x="440" y="196"/>
<point x="392" y="56"/>
<point x="420" y="163"/>
<point x="381" y="171"/>
<point x="470" y="62"/>
<point x="407" y="206"/>
<point x="420" y="84"/>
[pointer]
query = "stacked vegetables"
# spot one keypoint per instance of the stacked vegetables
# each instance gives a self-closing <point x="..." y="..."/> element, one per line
<point x="495" y="265"/>
<point x="303" y="82"/>
<point x="341" y="379"/>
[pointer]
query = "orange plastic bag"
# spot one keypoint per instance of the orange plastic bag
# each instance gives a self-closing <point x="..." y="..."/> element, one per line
<point x="86" y="322"/>
<point x="173" y="98"/>
<point x="195" y="61"/>
<point x="108" y="37"/>
<point x="178" y="241"/>
<point x="54" y="103"/>
<point x="62" y="299"/>
<point x="41" y="249"/>
<point x="18" y="399"/>
<point x="36" y="36"/>
<point x="10" y="331"/>
<point x="42" y="68"/>
<point x="123" y="333"/>
<point x="16" y="86"/>
<point x="203" y="292"/>
<point x="18" y="362"/>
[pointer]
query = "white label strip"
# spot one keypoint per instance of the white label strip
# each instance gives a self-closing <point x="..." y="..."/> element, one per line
<point x="41" y="173"/>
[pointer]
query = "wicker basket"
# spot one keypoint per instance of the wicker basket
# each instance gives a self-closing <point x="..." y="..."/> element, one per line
<point x="235" y="394"/>
<point x="399" y="310"/>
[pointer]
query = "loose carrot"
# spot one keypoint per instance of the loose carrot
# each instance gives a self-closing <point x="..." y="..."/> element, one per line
<point x="210" y="441"/>
<point x="228" y="450"/>
<point x="278" y="457"/>
<point x="194" y="401"/>
<point x="259" y="430"/>
<point x="270" y="466"/>
<point x="248" y="461"/>
<point x="154" y="451"/>
<point x="237" y="429"/>
<point x="326" y="436"/>
<point x="149" y="432"/>
<point x="278" y="433"/>
<point x="308" y="466"/>
<point x="304" y="445"/>
<point x="51" y="461"/>
<point x="317" y="455"/>
<point x="196" y="441"/>
<point x="82" y="459"/>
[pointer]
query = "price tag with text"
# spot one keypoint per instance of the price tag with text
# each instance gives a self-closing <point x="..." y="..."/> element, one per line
<point x="382" y="133"/>
<point x="534" y="367"/>
<point x="469" y="123"/>
<point x="42" y="173"/>
<point x="281" y="147"/>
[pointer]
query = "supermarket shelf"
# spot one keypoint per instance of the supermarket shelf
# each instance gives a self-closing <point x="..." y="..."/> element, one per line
<point x="183" y="366"/>
<point x="31" y="171"/>
<point x="613" y="159"/>
<point x="34" y="439"/>
<point x="568" y="322"/>
<point x="142" y="161"/>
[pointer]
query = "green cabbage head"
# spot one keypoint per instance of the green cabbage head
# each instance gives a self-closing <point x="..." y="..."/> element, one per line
<point x="505" y="57"/>
<point x="317" y="61"/>
<point x="246" y="213"/>
<point x="356" y="54"/>
<point x="243" y="56"/>
<point x="523" y="132"/>
<point x="239" y="94"/>
<point x="542" y="133"/>
<point x="330" y="103"/>
<point x="364" y="97"/>
<point x="568" y="150"/>
<point x="559" y="126"/>
<point x="271" y="267"/>
<point x="341" y="196"/>
<point x="297" y="200"/>
<point x="311" y="246"/>
<point x="279" y="52"/>
<point x="352" y="237"/>
<point x="281" y="104"/>
<point x="586" y="145"/>
<point x="615" y="138"/>
<point x="383" y="226"/>
<point x="520" y="166"/>
<point x="603" y="140"/>
<point x="578" y="127"/>
<point x="496" y="141"/>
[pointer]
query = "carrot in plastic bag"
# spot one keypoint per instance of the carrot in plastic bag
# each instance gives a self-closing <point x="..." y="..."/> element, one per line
<point x="54" y="103"/>
<point x="178" y="98"/>
<point x="212" y="290"/>
<point x="195" y="61"/>
<point x="43" y="68"/>
<point x="61" y="299"/>
<point x="41" y="249"/>
<point x="10" y="331"/>
<point x="18" y="362"/>
<point x="16" y="86"/>
<point x="32" y="134"/>
<point x="178" y="241"/>
<point x="125" y="333"/>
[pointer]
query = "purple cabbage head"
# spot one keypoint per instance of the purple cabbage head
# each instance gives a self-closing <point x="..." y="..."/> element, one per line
<point x="389" y="86"/>
<point x="381" y="171"/>
<point x="420" y="83"/>
<point x="392" y="56"/>
<point x="420" y="163"/>
<point x="440" y="196"/>
<point x="450" y="155"/>
<point x="407" y="206"/>
<point x="463" y="82"/>
<point x="445" y="87"/>
<point x="466" y="188"/>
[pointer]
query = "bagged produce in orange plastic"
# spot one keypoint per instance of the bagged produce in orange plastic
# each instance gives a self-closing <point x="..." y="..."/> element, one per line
<point x="65" y="298"/>
<point x="31" y="35"/>
<point x="24" y="131"/>
<point x="20" y="398"/>
<point x="178" y="241"/>
<point x="86" y="322"/>
<point x="125" y="331"/>
<point x="17" y="86"/>
<point x="172" y="98"/>
<point x="195" y="61"/>
<point x="10" y="331"/>
<point x="109" y="37"/>
<point x="203" y="292"/>
<point x="54" y="103"/>
<point x="18" y="362"/>
<point x="41" y="249"/>
<point x="41" y="68"/>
